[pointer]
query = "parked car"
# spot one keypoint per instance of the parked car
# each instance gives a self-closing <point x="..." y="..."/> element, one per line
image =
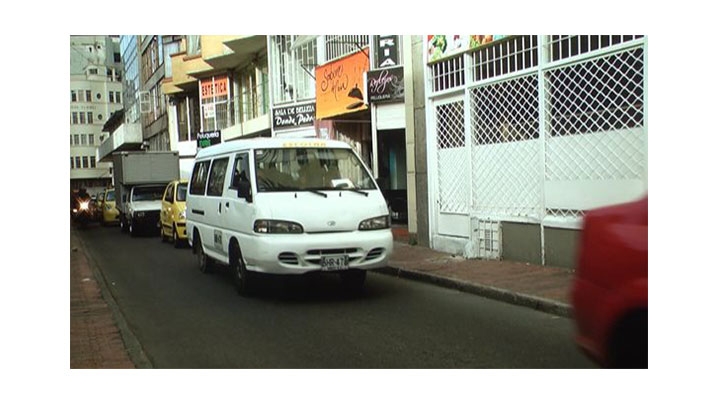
<point x="610" y="290"/>
<point x="172" y="213"/>
<point x="110" y="214"/>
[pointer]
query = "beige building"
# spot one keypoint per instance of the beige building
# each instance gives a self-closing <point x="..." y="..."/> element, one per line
<point x="95" y="93"/>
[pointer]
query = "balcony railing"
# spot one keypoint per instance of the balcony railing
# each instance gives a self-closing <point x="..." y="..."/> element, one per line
<point x="224" y="114"/>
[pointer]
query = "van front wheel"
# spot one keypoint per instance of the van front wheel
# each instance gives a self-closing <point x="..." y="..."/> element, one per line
<point x="241" y="276"/>
<point x="204" y="262"/>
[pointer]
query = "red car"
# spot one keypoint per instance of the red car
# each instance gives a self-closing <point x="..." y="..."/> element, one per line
<point x="610" y="290"/>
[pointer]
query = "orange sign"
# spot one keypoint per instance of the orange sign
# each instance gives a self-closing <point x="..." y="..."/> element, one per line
<point x="339" y="85"/>
<point x="214" y="87"/>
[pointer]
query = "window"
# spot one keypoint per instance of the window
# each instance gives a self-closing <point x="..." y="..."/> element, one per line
<point x="71" y="139"/>
<point x="199" y="177"/>
<point x="93" y="71"/>
<point x="72" y="162"/>
<point x="85" y="162"/>
<point x="77" y="139"/>
<point x="73" y="96"/>
<point x="97" y="96"/>
<point x="241" y="170"/>
<point x="77" y="162"/>
<point x="92" y="162"/>
<point x="90" y="117"/>
<point x="182" y="192"/>
<point x="74" y="118"/>
<point x="217" y="177"/>
<point x="82" y="117"/>
<point x="88" y="96"/>
<point x="292" y="67"/>
<point x="83" y="139"/>
<point x="91" y="139"/>
<point x="117" y="97"/>
<point x="111" y="97"/>
<point x="102" y="138"/>
<point x="169" y="193"/>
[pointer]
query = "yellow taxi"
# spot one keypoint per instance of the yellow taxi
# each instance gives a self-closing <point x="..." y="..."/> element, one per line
<point x="172" y="213"/>
<point x="109" y="213"/>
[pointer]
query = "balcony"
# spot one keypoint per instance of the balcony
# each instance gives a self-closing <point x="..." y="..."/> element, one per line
<point x="125" y="137"/>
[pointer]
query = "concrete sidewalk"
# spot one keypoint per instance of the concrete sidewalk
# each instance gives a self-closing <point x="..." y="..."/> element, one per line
<point x="539" y="287"/>
<point x="100" y="339"/>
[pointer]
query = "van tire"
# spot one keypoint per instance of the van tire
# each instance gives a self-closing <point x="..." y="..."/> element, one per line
<point x="242" y="278"/>
<point x="204" y="262"/>
<point x="123" y="224"/>
<point x="133" y="229"/>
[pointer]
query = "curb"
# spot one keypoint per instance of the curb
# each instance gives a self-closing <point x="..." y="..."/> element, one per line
<point x="510" y="297"/>
<point x="132" y="344"/>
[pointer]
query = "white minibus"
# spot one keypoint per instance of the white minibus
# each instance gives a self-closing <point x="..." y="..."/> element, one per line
<point x="287" y="206"/>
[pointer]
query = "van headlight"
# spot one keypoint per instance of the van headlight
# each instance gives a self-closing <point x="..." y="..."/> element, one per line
<point x="381" y="222"/>
<point x="271" y="226"/>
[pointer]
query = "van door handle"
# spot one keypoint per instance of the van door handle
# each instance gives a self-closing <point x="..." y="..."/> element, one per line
<point x="219" y="207"/>
<point x="199" y="212"/>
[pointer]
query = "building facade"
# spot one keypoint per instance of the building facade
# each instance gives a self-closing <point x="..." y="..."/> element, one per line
<point x="525" y="133"/>
<point x="96" y="92"/>
<point x="217" y="91"/>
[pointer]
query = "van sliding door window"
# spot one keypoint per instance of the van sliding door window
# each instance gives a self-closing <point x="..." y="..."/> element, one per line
<point x="199" y="177"/>
<point x="217" y="177"/>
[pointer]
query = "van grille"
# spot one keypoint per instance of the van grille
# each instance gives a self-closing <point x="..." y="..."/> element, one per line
<point x="288" y="258"/>
<point x="374" y="254"/>
<point x="331" y="251"/>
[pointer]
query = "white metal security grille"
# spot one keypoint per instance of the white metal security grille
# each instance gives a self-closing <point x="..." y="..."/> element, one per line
<point x="451" y="157"/>
<point x="537" y="129"/>
<point x="293" y="68"/>
<point x="506" y="153"/>
<point x="596" y="119"/>
<point x="337" y="46"/>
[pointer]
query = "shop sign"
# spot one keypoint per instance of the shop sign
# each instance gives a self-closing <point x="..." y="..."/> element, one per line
<point x="339" y="85"/>
<point x="294" y="116"/>
<point x="442" y="46"/>
<point x="208" y="138"/>
<point x="387" y="50"/>
<point x="386" y="85"/>
<point x="214" y="87"/>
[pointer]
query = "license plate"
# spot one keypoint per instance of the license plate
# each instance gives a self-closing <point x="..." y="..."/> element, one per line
<point x="334" y="262"/>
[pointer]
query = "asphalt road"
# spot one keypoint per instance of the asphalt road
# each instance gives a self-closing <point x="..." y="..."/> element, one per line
<point x="186" y="319"/>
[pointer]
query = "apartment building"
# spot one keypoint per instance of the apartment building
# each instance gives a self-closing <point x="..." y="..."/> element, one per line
<point x="95" y="93"/>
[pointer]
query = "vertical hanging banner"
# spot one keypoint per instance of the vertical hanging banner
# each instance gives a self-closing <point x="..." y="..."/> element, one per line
<point x="340" y="85"/>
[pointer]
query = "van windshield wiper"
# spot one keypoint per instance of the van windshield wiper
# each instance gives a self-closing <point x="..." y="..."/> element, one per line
<point x="318" y="192"/>
<point x="357" y="190"/>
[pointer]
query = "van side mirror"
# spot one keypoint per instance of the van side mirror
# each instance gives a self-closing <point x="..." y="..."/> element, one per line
<point x="244" y="191"/>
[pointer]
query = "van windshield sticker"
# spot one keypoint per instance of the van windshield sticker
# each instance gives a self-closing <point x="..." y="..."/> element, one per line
<point x="304" y="144"/>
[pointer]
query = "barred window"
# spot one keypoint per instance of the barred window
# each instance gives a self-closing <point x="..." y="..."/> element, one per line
<point x="506" y="56"/>
<point x="293" y="65"/>
<point x="448" y="74"/>
<point x="598" y="95"/>
<point x="566" y="46"/>
<point x="337" y="46"/>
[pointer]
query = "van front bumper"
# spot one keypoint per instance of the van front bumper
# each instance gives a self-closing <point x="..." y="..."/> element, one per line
<point x="332" y="252"/>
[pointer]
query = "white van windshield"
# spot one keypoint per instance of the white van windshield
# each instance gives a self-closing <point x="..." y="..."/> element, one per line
<point x="298" y="169"/>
